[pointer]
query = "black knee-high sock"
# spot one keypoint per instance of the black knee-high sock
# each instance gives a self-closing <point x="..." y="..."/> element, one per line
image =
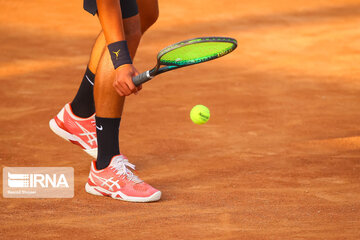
<point x="83" y="104"/>
<point x="107" y="131"/>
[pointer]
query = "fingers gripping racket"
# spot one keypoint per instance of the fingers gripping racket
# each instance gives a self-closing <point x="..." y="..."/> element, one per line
<point x="186" y="53"/>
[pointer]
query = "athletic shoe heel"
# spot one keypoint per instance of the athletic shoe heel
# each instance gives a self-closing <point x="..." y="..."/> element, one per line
<point x="91" y="190"/>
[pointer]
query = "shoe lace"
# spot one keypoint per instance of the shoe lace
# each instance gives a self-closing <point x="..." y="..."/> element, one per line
<point x="121" y="165"/>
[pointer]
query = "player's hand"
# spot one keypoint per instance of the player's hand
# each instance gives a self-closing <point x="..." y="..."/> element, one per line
<point x="123" y="83"/>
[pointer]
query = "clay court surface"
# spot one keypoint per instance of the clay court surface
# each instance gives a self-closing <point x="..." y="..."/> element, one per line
<point x="279" y="158"/>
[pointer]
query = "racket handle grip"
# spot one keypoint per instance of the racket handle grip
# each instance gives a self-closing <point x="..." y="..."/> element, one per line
<point x="141" y="78"/>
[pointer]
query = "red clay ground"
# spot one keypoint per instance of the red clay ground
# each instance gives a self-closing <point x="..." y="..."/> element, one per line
<point x="279" y="158"/>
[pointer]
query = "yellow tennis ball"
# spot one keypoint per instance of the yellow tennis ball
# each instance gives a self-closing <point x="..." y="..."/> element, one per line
<point x="200" y="114"/>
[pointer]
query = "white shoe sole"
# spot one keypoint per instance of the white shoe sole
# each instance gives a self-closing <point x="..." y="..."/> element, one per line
<point x="68" y="136"/>
<point x="92" y="190"/>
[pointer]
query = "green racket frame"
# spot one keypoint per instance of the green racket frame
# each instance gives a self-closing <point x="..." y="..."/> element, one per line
<point x="179" y="63"/>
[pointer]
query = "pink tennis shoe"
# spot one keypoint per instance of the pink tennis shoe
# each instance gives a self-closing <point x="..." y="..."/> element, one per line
<point x="117" y="181"/>
<point x="80" y="131"/>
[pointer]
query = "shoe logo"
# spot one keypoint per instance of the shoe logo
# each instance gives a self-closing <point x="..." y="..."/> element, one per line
<point x="89" y="80"/>
<point x="117" y="53"/>
<point x="90" y="135"/>
<point x="99" y="128"/>
<point x="110" y="183"/>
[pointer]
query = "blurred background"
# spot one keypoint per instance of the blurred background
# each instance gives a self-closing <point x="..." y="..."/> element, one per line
<point x="279" y="158"/>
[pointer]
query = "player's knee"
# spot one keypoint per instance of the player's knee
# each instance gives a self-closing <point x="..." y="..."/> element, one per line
<point x="133" y="35"/>
<point x="132" y="28"/>
<point x="148" y="20"/>
<point x="153" y="17"/>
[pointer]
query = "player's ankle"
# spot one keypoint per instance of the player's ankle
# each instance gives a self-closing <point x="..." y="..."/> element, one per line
<point x="103" y="161"/>
<point x="107" y="131"/>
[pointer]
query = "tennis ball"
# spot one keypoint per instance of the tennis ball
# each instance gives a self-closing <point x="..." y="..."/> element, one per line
<point x="199" y="114"/>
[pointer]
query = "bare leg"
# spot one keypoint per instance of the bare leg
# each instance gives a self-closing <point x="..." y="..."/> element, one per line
<point x="108" y="103"/>
<point x="149" y="13"/>
<point x="97" y="52"/>
<point x="83" y="103"/>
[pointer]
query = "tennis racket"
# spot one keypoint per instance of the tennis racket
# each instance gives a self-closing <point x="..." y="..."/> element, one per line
<point x="186" y="53"/>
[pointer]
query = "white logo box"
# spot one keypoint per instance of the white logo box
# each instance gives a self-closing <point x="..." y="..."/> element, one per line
<point x="38" y="182"/>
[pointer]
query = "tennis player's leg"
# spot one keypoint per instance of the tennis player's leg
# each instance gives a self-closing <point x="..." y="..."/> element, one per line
<point x="149" y="13"/>
<point x="110" y="174"/>
<point x="75" y="122"/>
<point x="83" y="103"/>
<point x="96" y="52"/>
<point x="109" y="104"/>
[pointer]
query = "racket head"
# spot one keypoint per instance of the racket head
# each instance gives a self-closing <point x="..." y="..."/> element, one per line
<point x="196" y="50"/>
